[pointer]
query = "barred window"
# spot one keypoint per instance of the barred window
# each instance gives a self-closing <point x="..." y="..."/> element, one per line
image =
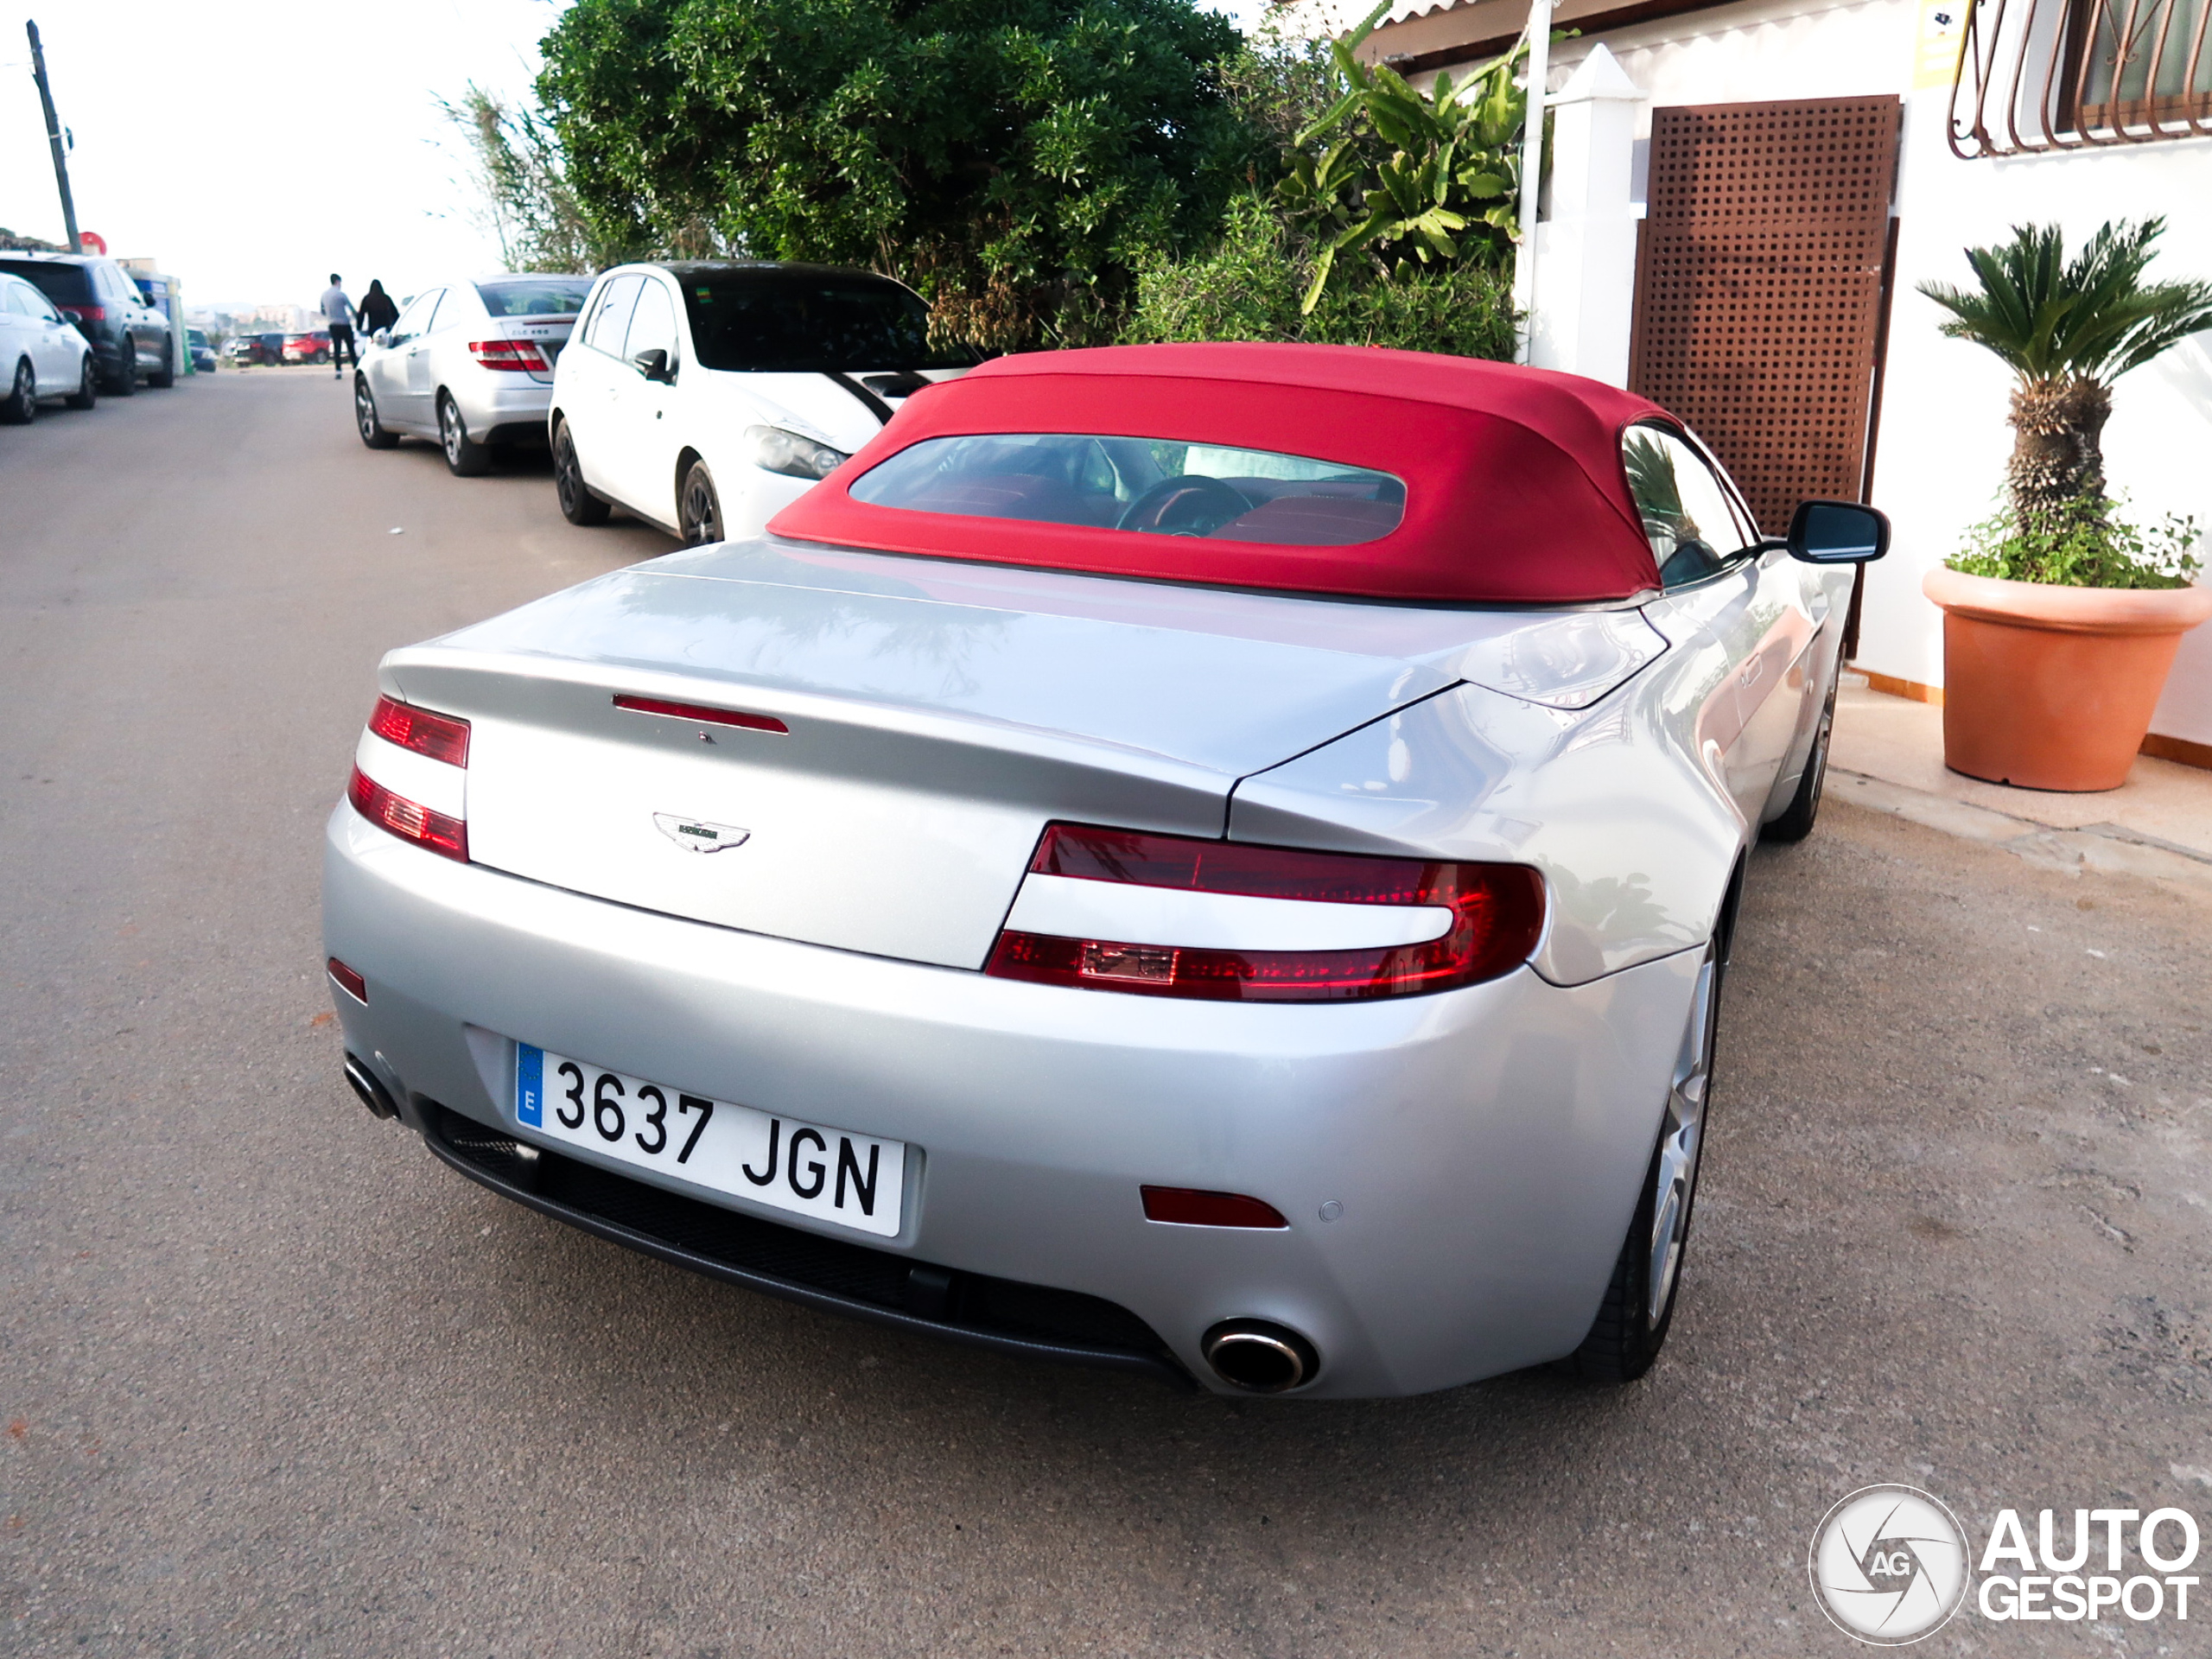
<point x="2067" y="74"/>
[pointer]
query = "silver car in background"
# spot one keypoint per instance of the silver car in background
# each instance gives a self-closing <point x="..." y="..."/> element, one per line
<point x="469" y="365"/>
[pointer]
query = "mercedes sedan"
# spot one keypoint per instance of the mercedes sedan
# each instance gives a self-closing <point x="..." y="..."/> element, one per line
<point x="468" y="365"/>
<point x="1211" y="860"/>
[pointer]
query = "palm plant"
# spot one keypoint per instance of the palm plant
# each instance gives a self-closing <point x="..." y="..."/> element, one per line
<point x="2068" y="329"/>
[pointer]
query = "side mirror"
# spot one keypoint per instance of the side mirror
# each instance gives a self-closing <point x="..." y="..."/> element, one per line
<point x="382" y="337"/>
<point x="654" y="366"/>
<point x="1837" y="533"/>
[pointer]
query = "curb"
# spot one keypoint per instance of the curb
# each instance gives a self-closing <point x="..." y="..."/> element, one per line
<point x="2110" y="848"/>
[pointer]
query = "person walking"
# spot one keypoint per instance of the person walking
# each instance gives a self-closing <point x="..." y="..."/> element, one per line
<point x="377" y="311"/>
<point x="338" y="315"/>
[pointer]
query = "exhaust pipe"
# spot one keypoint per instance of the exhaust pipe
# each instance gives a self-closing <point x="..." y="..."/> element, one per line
<point x="371" y="1092"/>
<point x="1260" y="1357"/>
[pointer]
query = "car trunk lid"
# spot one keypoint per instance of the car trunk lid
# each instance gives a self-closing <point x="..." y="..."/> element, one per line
<point x="934" y="717"/>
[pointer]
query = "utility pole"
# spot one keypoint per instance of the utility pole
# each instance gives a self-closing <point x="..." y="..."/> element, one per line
<point x="54" y="136"/>
<point x="1532" y="172"/>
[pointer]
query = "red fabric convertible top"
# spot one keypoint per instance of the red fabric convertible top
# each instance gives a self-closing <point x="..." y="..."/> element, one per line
<point x="1515" y="490"/>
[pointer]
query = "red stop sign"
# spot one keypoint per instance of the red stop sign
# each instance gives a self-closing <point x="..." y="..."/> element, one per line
<point x="92" y="242"/>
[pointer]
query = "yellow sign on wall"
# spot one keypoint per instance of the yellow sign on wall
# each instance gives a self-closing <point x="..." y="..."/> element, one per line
<point x="1936" y="51"/>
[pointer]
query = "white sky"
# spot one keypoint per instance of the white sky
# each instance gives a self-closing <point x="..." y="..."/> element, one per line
<point x="282" y="142"/>
<point x="279" y="142"/>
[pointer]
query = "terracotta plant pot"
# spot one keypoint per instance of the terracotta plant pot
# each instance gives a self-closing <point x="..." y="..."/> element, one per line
<point x="2052" y="688"/>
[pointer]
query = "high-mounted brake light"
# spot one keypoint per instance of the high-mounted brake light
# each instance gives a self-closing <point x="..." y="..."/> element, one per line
<point x="439" y="736"/>
<point x="409" y="820"/>
<point x="702" y="712"/>
<point x="1177" y="915"/>
<point x="521" y="355"/>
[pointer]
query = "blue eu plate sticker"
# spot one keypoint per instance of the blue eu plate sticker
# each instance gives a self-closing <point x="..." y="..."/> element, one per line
<point x="530" y="1085"/>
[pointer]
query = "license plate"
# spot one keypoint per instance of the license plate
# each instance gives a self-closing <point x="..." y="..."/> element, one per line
<point x="811" y="1169"/>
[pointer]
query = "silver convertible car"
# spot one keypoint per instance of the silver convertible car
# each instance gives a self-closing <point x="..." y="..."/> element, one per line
<point x="1216" y="860"/>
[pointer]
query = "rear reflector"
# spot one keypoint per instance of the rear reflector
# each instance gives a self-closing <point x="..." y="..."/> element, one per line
<point x="349" y="981"/>
<point x="1497" y="917"/>
<point x="442" y="737"/>
<point x="1190" y="1207"/>
<point x="518" y="354"/>
<point x="407" y="819"/>
<point x="700" y="712"/>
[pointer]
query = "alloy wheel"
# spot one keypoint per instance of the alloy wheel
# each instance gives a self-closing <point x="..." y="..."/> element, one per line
<point x="700" y="514"/>
<point x="1681" y="1141"/>
<point x="22" y="396"/>
<point x="364" y="411"/>
<point x="450" y="431"/>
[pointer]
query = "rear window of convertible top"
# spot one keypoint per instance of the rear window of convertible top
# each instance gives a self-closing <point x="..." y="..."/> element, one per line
<point x="1147" y="485"/>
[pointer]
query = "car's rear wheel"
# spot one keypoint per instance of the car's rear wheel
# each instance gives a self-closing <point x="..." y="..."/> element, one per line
<point x="365" y="417"/>
<point x="1797" y="820"/>
<point x="1638" y="1308"/>
<point x="698" y="508"/>
<point x="126" y="383"/>
<point x="165" y="376"/>
<point x="465" y="456"/>
<point x="88" y="386"/>
<point x="578" y="505"/>
<point x="22" y="406"/>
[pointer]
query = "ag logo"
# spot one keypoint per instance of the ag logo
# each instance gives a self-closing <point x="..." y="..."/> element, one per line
<point x="1888" y="1565"/>
<point x="697" y="835"/>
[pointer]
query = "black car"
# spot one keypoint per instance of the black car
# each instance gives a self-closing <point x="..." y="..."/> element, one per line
<point x="129" y="337"/>
<point x="203" y="354"/>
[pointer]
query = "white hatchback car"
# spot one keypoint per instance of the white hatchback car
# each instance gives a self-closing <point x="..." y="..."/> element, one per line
<point x="705" y="397"/>
<point x="42" y="353"/>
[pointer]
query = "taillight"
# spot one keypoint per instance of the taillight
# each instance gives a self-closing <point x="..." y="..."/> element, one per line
<point x="518" y="354"/>
<point x="409" y="820"/>
<point x="83" y="313"/>
<point x="411" y="777"/>
<point x="1116" y="910"/>
<point x="439" y="736"/>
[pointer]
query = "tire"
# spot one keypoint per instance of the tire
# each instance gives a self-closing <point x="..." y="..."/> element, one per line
<point x="165" y="376"/>
<point x="88" y="386"/>
<point x="698" y="507"/>
<point x="465" y="457"/>
<point x="21" y="408"/>
<point x="126" y="372"/>
<point x="1797" y="820"/>
<point x="1638" y="1309"/>
<point x="578" y="505"/>
<point x="364" y="417"/>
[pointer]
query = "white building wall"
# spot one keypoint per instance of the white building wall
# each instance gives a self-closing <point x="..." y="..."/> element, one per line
<point x="1943" y="439"/>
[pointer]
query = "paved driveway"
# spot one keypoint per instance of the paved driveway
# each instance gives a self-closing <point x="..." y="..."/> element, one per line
<point x="274" y="1381"/>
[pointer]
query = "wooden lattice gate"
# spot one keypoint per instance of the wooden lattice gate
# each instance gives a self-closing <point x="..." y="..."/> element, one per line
<point x="1762" y="288"/>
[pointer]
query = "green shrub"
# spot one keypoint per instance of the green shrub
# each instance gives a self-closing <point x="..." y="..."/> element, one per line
<point x="1250" y="285"/>
<point x="2082" y="543"/>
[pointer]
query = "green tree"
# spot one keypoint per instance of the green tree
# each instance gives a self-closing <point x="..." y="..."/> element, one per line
<point x="2068" y="329"/>
<point x="1253" y="285"/>
<point x="528" y="205"/>
<point x="1016" y="160"/>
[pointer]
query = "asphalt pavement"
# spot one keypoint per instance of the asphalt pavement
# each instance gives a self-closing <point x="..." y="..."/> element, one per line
<point x="275" y="1380"/>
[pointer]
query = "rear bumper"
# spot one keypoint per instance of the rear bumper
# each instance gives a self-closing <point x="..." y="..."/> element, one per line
<point x="1482" y="1148"/>
<point x="502" y="408"/>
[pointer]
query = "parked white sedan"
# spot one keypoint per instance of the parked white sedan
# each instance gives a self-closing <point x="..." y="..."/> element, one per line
<point x="41" y="354"/>
<point x="705" y="397"/>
